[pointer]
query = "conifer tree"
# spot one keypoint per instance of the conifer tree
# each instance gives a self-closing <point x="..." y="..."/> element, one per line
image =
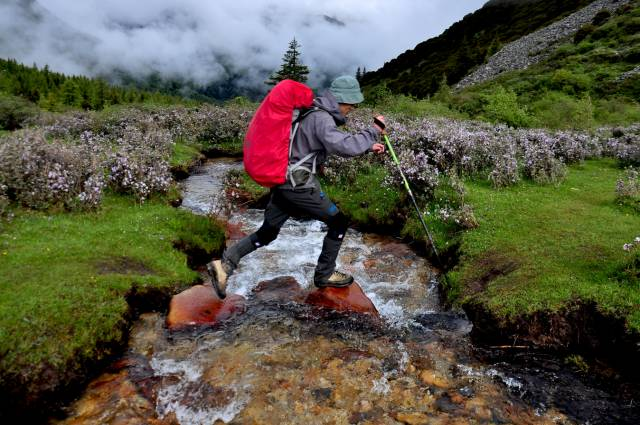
<point x="292" y="67"/>
<point x="358" y="75"/>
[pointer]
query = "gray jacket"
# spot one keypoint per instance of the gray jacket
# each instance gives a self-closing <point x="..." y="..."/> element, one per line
<point x="318" y="132"/>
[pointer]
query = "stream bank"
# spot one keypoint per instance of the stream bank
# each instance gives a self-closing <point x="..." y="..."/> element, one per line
<point x="280" y="361"/>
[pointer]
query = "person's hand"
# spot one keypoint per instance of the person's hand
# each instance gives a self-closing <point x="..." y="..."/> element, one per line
<point x="381" y="129"/>
<point x="377" y="148"/>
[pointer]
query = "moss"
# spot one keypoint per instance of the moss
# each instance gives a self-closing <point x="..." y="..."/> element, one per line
<point x="566" y="242"/>
<point x="64" y="279"/>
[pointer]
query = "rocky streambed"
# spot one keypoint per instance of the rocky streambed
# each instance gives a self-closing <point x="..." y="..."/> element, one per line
<point x="281" y="352"/>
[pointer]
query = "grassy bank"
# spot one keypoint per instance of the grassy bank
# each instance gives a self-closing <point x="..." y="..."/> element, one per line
<point x="64" y="277"/>
<point x="539" y="247"/>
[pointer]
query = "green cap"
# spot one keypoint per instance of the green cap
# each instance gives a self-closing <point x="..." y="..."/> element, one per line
<point x="346" y="90"/>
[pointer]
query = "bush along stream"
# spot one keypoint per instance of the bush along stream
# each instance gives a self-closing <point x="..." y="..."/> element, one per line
<point x="537" y="229"/>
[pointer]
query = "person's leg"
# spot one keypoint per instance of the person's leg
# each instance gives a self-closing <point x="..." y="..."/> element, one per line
<point x="220" y="270"/>
<point x="331" y="244"/>
<point x="314" y="203"/>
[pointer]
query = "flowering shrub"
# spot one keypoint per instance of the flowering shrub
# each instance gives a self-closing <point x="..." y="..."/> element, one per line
<point x="540" y="162"/>
<point x="630" y="271"/>
<point x="39" y="174"/>
<point x="635" y="244"/>
<point x="628" y="189"/>
<point x="4" y="200"/>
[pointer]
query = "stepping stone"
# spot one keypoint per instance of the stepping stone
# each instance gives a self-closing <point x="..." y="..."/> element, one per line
<point x="350" y="299"/>
<point x="199" y="305"/>
<point x="280" y="289"/>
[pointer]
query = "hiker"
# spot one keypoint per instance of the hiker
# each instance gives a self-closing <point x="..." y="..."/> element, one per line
<point x="317" y="137"/>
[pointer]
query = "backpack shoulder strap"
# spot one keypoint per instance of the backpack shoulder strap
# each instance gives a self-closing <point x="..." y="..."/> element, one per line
<point x="302" y="114"/>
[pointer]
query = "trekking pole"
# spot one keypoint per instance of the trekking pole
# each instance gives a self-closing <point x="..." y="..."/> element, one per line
<point x="413" y="199"/>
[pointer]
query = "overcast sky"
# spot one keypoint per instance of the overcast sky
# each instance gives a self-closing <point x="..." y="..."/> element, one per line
<point x="194" y="38"/>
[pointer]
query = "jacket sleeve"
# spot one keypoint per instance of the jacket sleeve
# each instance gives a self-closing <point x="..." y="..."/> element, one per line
<point x="340" y="143"/>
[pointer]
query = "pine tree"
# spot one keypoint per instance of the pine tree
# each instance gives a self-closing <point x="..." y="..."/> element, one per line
<point x="358" y="75"/>
<point x="291" y="68"/>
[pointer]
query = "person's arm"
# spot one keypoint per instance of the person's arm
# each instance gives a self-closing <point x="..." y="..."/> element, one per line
<point x="341" y="143"/>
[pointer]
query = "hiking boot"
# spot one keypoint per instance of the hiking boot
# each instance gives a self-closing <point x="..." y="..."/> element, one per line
<point x="219" y="273"/>
<point x="336" y="280"/>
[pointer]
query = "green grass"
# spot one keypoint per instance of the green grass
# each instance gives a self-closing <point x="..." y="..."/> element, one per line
<point x="364" y="198"/>
<point x="64" y="277"/>
<point x="563" y="243"/>
<point x="184" y="155"/>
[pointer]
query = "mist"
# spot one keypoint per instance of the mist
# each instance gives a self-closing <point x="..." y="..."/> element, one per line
<point x="206" y="42"/>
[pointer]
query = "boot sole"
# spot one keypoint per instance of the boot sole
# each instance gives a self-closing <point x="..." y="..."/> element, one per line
<point x="333" y="285"/>
<point x="211" y="269"/>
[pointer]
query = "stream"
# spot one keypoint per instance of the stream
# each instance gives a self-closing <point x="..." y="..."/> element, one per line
<point x="285" y="362"/>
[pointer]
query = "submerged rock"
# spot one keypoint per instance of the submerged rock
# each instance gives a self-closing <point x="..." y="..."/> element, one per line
<point x="199" y="305"/>
<point x="349" y="299"/>
<point x="280" y="289"/>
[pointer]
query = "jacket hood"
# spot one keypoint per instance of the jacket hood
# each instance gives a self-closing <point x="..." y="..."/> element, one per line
<point x="327" y="102"/>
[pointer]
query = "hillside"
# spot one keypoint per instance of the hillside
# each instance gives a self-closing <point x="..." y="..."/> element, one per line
<point x="26" y="89"/>
<point x="467" y="43"/>
<point x="590" y="79"/>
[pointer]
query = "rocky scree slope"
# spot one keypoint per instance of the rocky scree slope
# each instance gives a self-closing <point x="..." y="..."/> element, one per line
<point x="537" y="46"/>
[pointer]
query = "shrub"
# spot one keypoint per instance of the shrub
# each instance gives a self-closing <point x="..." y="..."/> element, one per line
<point x="629" y="273"/>
<point x="540" y="162"/>
<point x="39" y="174"/>
<point x="601" y="17"/>
<point x="561" y="111"/>
<point x="569" y="82"/>
<point x="502" y="106"/>
<point x="505" y="170"/>
<point x="583" y="32"/>
<point x="16" y="112"/>
<point x="4" y="200"/>
<point x="628" y="189"/>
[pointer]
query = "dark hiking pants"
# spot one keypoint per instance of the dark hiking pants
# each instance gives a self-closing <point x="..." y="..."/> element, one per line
<point x="305" y="202"/>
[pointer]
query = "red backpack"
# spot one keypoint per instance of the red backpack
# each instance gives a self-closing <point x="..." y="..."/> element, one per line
<point x="266" y="144"/>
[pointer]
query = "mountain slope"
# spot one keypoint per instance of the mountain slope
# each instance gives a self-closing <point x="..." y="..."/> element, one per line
<point x="468" y="43"/>
<point x="540" y="44"/>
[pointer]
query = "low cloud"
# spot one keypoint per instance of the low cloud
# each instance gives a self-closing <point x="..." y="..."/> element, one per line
<point x="211" y="41"/>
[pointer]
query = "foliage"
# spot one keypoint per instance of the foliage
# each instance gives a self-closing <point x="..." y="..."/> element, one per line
<point x="15" y="112"/>
<point x="466" y="44"/>
<point x="549" y="245"/>
<point x="39" y="174"/>
<point x="292" y="67"/>
<point x="55" y="92"/>
<point x="65" y="279"/>
<point x="129" y="150"/>
<point x="502" y="106"/>
<point x="628" y="189"/>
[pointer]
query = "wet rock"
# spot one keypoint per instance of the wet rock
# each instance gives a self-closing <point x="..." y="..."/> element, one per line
<point x="351" y="354"/>
<point x="321" y="394"/>
<point x="434" y="379"/>
<point x="203" y="394"/>
<point x="349" y="299"/>
<point x="446" y="404"/>
<point x="280" y="289"/>
<point x="199" y="305"/>
<point x="412" y="418"/>
<point x="466" y="391"/>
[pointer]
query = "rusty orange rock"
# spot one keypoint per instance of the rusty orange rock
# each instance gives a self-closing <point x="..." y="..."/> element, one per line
<point x="349" y="299"/>
<point x="199" y="305"/>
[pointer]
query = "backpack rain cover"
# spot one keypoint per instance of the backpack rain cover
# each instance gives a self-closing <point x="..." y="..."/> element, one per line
<point x="266" y="144"/>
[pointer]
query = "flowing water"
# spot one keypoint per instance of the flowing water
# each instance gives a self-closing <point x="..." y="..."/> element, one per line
<point x="284" y="362"/>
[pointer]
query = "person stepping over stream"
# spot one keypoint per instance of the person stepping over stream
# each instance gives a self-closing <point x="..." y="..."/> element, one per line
<point x="316" y="136"/>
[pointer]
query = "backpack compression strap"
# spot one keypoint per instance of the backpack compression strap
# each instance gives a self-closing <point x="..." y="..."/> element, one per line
<point x="298" y="165"/>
